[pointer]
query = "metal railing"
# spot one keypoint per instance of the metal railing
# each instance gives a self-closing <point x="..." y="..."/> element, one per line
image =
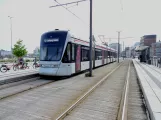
<point x="156" y="61"/>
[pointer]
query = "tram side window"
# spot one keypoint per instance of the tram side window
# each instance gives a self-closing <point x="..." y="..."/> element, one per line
<point x="85" y="54"/>
<point x="73" y="52"/>
<point x="98" y="55"/>
<point x="109" y="54"/>
<point x="67" y="54"/>
<point x="113" y="55"/>
<point x="105" y="54"/>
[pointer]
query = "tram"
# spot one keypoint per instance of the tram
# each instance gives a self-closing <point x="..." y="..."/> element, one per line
<point x="61" y="54"/>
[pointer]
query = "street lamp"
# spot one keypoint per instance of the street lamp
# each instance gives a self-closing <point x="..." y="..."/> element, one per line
<point x="11" y="30"/>
<point x="118" y="45"/>
<point x="90" y="43"/>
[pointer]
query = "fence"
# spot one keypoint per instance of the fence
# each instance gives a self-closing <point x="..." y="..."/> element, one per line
<point x="156" y="61"/>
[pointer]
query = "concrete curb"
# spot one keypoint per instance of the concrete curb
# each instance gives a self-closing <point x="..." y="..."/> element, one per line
<point x="18" y="78"/>
<point x="29" y="88"/>
<point x="147" y="92"/>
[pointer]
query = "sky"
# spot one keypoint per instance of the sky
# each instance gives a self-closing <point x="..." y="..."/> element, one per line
<point x="31" y="18"/>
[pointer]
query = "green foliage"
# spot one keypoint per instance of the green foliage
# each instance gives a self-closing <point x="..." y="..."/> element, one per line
<point x="7" y="61"/>
<point x="28" y="60"/>
<point x="19" y="49"/>
<point x="37" y="52"/>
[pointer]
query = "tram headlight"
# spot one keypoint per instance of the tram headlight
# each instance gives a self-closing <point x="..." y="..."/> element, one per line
<point x="41" y="65"/>
<point x="49" y="65"/>
<point x="55" y="66"/>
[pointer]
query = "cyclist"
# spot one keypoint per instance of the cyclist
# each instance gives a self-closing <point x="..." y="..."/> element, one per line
<point x="35" y="64"/>
<point x="34" y="60"/>
<point x="21" y="62"/>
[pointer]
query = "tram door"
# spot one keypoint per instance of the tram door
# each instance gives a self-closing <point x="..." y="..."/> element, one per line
<point x="102" y="57"/>
<point x="93" y="57"/>
<point x="78" y="58"/>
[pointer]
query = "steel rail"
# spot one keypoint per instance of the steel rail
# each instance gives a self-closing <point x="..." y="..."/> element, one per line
<point x="122" y="114"/>
<point x="23" y="90"/>
<point x="66" y="112"/>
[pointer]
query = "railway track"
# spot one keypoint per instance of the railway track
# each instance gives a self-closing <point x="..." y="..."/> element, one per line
<point x="11" y="78"/>
<point x="8" y="90"/>
<point x="136" y="105"/>
<point x="116" y="96"/>
<point x="45" y="102"/>
<point x="19" y="86"/>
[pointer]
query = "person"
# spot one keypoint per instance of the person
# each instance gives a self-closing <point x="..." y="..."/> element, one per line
<point x="141" y="58"/>
<point x="34" y="60"/>
<point x="21" y="62"/>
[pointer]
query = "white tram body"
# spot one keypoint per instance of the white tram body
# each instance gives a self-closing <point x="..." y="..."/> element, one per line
<point x="63" y="55"/>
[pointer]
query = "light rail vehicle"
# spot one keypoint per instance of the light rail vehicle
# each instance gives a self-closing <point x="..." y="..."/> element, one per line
<point x="61" y="54"/>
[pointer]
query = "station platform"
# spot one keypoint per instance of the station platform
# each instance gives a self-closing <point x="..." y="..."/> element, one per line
<point x="12" y="76"/>
<point x="150" y="81"/>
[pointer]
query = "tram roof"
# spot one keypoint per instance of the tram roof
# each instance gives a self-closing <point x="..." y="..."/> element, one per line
<point x="78" y="39"/>
<point x="55" y="31"/>
<point x="101" y="46"/>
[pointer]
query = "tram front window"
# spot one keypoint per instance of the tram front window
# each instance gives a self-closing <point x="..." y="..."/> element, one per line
<point x="51" y="46"/>
<point x="51" y="53"/>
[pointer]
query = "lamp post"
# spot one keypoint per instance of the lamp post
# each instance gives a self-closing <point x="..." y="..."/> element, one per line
<point x="90" y="43"/>
<point x="11" y="30"/>
<point x="90" y="63"/>
<point x="118" y="45"/>
<point x="123" y="51"/>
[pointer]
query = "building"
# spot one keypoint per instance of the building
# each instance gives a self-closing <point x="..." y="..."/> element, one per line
<point x="133" y="52"/>
<point x="156" y="49"/>
<point x="147" y="40"/>
<point x="4" y="53"/>
<point x="146" y="47"/>
<point x="136" y="44"/>
<point x="123" y="53"/>
<point x="127" y="52"/>
<point x="36" y="51"/>
<point x="115" y="46"/>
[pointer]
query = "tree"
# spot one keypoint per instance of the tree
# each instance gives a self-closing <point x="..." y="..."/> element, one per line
<point x="19" y="49"/>
<point x="36" y="52"/>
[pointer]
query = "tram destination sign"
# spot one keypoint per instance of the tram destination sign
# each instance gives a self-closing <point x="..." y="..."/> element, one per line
<point x="52" y="40"/>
